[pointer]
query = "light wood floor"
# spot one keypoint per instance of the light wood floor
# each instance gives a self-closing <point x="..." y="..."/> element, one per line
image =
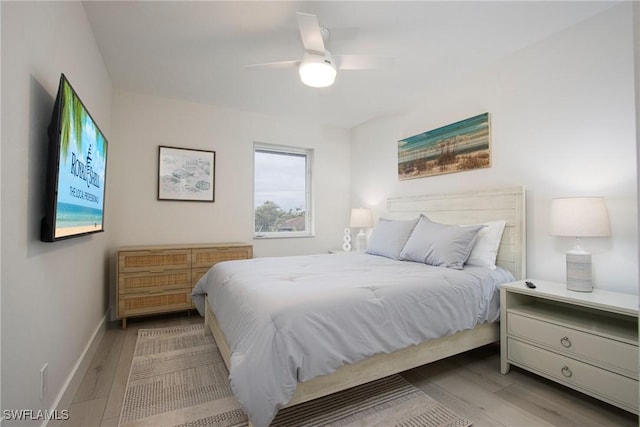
<point x="470" y="384"/>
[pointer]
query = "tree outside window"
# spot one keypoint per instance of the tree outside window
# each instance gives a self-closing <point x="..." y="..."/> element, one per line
<point x="282" y="191"/>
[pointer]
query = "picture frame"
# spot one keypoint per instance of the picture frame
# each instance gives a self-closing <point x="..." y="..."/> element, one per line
<point x="456" y="147"/>
<point x="186" y="174"/>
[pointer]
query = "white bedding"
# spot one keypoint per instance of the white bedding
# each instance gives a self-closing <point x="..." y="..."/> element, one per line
<point x="290" y="319"/>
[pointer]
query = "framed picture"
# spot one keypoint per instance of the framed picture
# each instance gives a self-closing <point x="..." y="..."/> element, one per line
<point x="185" y="174"/>
<point x="457" y="147"/>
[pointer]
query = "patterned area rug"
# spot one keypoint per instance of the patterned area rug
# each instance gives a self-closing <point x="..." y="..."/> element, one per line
<point x="178" y="378"/>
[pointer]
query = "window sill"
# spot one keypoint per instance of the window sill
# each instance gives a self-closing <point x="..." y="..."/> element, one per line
<point x="271" y="236"/>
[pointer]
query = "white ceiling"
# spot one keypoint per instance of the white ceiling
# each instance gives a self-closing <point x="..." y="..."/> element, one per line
<point x="196" y="50"/>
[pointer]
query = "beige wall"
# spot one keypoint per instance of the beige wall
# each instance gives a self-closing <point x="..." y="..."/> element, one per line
<point x="636" y="45"/>
<point x="563" y="124"/>
<point x="141" y="123"/>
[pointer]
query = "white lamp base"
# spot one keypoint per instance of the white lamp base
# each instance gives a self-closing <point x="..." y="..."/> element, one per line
<point x="579" y="272"/>
<point x="361" y="241"/>
<point x="346" y="240"/>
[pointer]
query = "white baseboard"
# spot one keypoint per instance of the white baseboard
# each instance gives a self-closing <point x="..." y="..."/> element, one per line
<point x="70" y="387"/>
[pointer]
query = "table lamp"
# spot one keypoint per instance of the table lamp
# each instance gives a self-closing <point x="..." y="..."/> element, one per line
<point x="579" y="217"/>
<point x="361" y="218"/>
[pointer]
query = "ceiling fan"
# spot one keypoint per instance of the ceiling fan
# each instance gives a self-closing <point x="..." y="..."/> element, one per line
<point x="318" y="67"/>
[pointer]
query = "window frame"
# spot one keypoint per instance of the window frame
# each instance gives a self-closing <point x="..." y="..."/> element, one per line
<point x="308" y="153"/>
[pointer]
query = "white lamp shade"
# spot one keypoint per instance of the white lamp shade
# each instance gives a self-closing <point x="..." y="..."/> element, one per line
<point x="317" y="70"/>
<point x="361" y="218"/>
<point x="579" y="217"/>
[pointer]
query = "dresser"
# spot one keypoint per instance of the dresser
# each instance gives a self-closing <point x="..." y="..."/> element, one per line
<point x="586" y="341"/>
<point x="159" y="279"/>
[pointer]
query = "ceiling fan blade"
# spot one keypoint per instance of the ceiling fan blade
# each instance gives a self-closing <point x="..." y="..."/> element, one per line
<point x="274" y="65"/>
<point x="310" y="32"/>
<point x="363" y="62"/>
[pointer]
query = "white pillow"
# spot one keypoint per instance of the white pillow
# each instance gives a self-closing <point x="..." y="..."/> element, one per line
<point x="441" y="245"/>
<point x="389" y="237"/>
<point x="485" y="249"/>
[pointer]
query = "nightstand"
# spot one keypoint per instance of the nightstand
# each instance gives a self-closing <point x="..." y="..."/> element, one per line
<point x="341" y="252"/>
<point x="586" y="341"/>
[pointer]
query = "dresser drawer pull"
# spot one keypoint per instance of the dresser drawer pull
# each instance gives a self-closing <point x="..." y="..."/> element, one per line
<point x="566" y="372"/>
<point x="566" y="342"/>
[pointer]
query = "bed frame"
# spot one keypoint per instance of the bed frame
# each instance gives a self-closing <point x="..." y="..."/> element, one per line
<point x="461" y="208"/>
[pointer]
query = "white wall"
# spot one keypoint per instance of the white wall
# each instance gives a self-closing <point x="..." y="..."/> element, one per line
<point x="563" y="124"/>
<point x="54" y="295"/>
<point x="141" y="123"/>
<point x="636" y="45"/>
<point x="0" y="232"/>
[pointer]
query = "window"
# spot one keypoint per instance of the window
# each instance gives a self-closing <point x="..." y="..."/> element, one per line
<point x="281" y="191"/>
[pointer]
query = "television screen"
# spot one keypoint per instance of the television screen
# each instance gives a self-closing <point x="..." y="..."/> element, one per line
<point x="76" y="171"/>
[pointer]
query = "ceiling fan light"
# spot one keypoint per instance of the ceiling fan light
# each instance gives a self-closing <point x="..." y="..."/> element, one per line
<point x="317" y="71"/>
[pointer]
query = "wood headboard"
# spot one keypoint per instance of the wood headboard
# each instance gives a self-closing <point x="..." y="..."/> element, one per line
<point x="474" y="208"/>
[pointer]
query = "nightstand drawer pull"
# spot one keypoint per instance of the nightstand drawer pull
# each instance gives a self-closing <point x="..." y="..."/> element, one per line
<point x="566" y="342"/>
<point x="566" y="372"/>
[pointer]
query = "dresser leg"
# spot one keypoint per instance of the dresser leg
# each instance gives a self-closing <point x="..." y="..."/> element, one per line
<point x="124" y="323"/>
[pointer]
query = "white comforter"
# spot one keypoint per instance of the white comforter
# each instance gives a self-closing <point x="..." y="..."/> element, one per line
<point x="291" y="319"/>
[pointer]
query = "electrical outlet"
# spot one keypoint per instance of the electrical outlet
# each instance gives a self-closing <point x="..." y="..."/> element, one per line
<point x="44" y="381"/>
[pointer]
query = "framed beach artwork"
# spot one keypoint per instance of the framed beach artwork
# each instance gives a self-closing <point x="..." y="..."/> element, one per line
<point x="457" y="147"/>
<point x="185" y="174"/>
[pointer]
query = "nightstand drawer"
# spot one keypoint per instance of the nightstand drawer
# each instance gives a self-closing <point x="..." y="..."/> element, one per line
<point x="619" y="389"/>
<point x="605" y="352"/>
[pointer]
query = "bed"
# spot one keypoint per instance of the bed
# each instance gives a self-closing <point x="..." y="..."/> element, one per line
<point x="245" y="308"/>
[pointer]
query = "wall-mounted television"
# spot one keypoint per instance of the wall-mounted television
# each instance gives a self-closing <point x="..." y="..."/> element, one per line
<point x="76" y="170"/>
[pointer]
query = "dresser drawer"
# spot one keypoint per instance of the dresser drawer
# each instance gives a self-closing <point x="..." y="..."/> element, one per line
<point x="196" y="274"/>
<point x="207" y="257"/>
<point x="145" y="281"/>
<point x="154" y="260"/>
<point x="611" y="354"/>
<point x="154" y="302"/>
<point x="592" y="380"/>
